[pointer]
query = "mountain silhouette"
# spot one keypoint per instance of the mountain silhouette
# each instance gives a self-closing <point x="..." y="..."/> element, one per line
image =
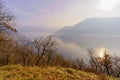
<point x="94" y="33"/>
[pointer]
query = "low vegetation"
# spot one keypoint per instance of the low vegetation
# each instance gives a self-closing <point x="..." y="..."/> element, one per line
<point x="18" y="72"/>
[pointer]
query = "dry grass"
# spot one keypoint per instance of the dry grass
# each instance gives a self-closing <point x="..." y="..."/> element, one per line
<point x="18" y="72"/>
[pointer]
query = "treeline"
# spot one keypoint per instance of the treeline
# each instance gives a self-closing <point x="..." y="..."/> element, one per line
<point x="107" y="64"/>
<point x="40" y="52"/>
<point x="43" y="51"/>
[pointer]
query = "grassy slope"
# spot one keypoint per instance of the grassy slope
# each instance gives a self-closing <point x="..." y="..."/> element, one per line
<point x="18" y="72"/>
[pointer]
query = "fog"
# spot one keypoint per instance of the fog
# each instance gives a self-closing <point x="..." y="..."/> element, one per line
<point x="71" y="50"/>
<point x="79" y="46"/>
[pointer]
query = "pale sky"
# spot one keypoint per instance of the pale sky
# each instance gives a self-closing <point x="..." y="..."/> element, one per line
<point x="35" y="16"/>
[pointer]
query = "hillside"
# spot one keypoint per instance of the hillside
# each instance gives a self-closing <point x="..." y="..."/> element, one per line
<point x="18" y="72"/>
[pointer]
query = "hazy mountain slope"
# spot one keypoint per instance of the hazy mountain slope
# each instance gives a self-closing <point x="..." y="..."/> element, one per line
<point x="94" y="26"/>
<point x="63" y="30"/>
<point x="98" y="26"/>
<point x="18" y="72"/>
<point x="95" y="33"/>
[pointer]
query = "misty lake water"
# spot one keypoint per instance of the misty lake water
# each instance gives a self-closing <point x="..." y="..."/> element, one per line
<point x="74" y="47"/>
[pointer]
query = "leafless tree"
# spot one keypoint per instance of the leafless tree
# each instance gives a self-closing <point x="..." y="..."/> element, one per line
<point x="107" y="62"/>
<point x="78" y="64"/>
<point x="116" y="67"/>
<point x="6" y="53"/>
<point x="43" y="46"/>
<point x="102" y="65"/>
<point x="6" y="19"/>
<point x="6" y="25"/>
<point x="94" y="61"/>
<point x="24" y="51"/>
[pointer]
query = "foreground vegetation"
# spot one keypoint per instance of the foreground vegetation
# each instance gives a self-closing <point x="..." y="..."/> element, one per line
<point x="18" y="72"/>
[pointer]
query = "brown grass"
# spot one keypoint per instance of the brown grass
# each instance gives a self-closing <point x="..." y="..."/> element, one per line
<point x="18" y="72"/>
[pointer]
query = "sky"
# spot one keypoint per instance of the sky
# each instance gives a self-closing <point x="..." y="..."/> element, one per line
<point x="48" y="16"/>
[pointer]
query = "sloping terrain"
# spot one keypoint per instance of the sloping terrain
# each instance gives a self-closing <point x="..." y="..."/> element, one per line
<point x="18" y="72"/>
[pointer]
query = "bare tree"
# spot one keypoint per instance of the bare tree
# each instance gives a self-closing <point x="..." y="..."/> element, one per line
<point x="107" y="62"/>
<point x="26" y="55"/>
<point x="101" y="64"/>
<point x="24" y="51"/>
<point x="78" y="64"/>
<point x="6" y="53"/>
<point x="116" y="66"/>
<point x="6" y="19"/>
<point x="43" y="46"/>
<point x="94" y="61"/>
<point x="6" y="25"/>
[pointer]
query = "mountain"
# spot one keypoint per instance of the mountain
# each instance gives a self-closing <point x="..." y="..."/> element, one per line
<point x="92" y="26"/>
<point x="94" y="33"/>
<point x="63" y="30"/>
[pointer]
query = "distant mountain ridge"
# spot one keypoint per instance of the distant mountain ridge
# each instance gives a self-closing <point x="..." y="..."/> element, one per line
<point x="95" y="26"/>
<point x="94" y="33"/>
<point x="63" y="30"/>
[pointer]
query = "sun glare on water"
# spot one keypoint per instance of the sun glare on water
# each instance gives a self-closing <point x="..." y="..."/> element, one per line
<point x="102" y="52"/>
<point x="108" y="4"/>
